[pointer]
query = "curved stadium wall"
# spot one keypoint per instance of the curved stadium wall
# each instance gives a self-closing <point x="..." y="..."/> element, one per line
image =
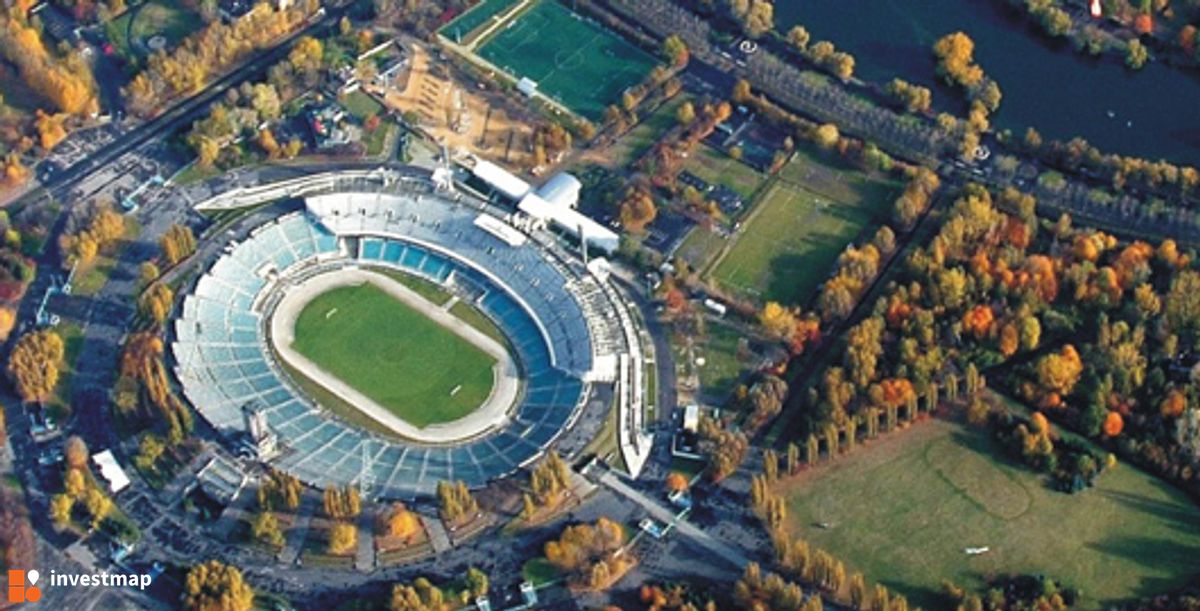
<point x="223" y="361"/>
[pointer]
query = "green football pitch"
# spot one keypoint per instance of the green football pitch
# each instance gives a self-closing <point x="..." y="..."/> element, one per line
<point x="573" y="60"/>
<point x="402" y="360"/>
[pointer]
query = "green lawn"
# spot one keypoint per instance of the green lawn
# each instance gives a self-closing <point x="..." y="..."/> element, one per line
<point x="638" y="140"/>
<point x="721" y="368"/>
<point x="194" y="172"/>
<point x="574" y="60"/>
<point x="361" y="105"/>
<point x="391" y="353"/>
<point x="718" y="168"/>
<point x="902" y="510"/>
<point x="72" y="337"/>
<point x="798" y="229"/>
<point x="167" y="18"/>
<point x="539" y="571"/>
<point x="376" y="141"/>
<point x="430" y="291"/>
<point x="92" y="276"/>
<point x="472" y="316"/>
<point x="336" y="405"/>
<point x="700" y="246"/>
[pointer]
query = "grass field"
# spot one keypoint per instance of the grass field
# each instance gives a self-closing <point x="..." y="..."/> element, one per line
<point x="718" y="168"/>
<point x="575" y="61"/>
<point x="638" y="140"/>
<point x="722" y="369"/>
<point x="798" y="229"/>
<point x="902" y="510"/>
<point x="402" y="360"/>
<point x="361" y="105"/>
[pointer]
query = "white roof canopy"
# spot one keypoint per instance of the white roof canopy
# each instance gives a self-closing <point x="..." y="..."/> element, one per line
<point x="572" y="221"/>
<point x="111" y="471"/>
<point x="501" y="179"/>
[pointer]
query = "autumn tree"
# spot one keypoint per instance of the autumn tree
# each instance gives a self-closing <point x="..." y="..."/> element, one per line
<point x="420" y="595"/>
<point x="342" y="502"/>
<point x="583" y="547"/>
<point x="75" y="453"/>
<point x="477" y="582"/>
<point x="756" y="17"/>
<point x="343" y="537"/>
<point x="913" y="98"/>
<point x="676" y="482"/>
<point x="826" y="135"/>
<point x="685" y="114"/>
<point x="1058" y="372"/>
<point x="798" y="37"/>
<point x="198" y="58"/>
<point x="50" y="128"/>
<point x="777" y="320"/>
<point x="279" y="489"/>
<point x="676" y="51"/>
<point x="456" y="502"/>
<point x="398" y="522"/>
<point x="66" y="81"/>
<point x="147" y="272"/>
<point x="550" y="478"/>
<point x="637" y="210"/>
<point x="156" y="302"/>
<point x="265" y="529"/>
<point x="177" y="244"/>
<point x="34" y="365"/>
<point x="725" y="449"/>
<point x="61" y="506"/>
<point x="215" y="585"/>
<point x="956" y="60"/>
<point x="150" y="449"/>
<point x="1136" y="54"/>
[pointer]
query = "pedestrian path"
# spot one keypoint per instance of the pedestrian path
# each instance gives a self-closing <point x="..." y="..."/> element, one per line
<point x="364" y="559"/>
<point x="685" y="529"/>
<point x="438" y="537"/>
<point x="294" y="543"/>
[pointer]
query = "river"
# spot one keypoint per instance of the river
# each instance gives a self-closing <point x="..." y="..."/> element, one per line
<point x="1046" y="83"/>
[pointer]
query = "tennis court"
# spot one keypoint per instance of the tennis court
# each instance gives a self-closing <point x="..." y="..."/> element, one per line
<point x="574" y="60"/>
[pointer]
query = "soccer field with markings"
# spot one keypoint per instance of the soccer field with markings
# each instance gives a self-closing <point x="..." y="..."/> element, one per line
<point x="574" y="60"/>
<point x="402" y="360"/>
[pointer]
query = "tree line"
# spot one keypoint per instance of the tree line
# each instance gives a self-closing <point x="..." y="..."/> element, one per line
<point x="206" y="54"/>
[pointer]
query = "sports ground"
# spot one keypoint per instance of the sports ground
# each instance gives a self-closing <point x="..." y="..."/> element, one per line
<point x="463" y="25"/>
<point x="396" y="356"/>
<point x="798" y="229"/>
<point x="903" y="509"/>
<point x="575" y="61"/>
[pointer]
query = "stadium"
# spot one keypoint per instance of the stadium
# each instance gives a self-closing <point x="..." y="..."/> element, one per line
<point x="337" y="295"/>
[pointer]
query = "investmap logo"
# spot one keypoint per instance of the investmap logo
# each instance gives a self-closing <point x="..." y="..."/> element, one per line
<point x="22" y="586"/>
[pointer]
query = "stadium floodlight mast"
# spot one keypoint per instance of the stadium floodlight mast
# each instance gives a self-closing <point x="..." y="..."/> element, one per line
<point x="364" y="483"/>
